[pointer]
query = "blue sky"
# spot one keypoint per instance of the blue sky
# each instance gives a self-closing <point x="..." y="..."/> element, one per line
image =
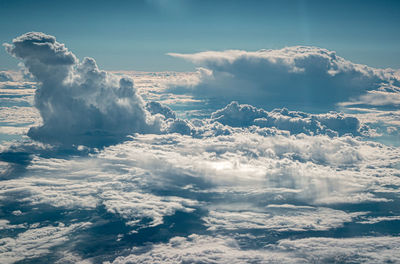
<point x="136" y="35"/>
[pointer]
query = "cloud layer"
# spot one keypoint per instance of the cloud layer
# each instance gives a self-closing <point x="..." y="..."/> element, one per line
<point x="237" y="184"/>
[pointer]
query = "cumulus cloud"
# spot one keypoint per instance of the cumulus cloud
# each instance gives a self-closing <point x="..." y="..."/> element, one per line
<point x="5" y="76"/>
<point x="241" y="117"/>
<point x="307" y="78"/>
<point x="296" y="122"/>
<point x="79" y="103"/>
<point x="157" y="108"/>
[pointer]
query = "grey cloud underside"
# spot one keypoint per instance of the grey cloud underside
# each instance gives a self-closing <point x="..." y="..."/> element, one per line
<point x="304" y="78"/>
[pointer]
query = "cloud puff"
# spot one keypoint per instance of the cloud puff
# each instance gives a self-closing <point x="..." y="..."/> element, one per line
<point x="5" y="76"/>
<point x="157" y="108"/>
<point x="296" y="122"/>
<point x="79" y="103"/>
<point x="296" y="77"/>
<point x="220" y="249"/>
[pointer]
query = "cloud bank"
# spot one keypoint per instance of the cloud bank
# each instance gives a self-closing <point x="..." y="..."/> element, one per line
<point x="306" y="78"/>
<point x="79" y="103"/>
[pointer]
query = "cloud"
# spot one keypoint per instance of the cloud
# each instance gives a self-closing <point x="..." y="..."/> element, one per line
<point x="5" y="76"/>
<point x="128" y="178"/>
<point x="136" y="206"/>
<point x="296" y="122"/>
<point x="304" y="78"/>
<point x="157" y="108"/>
<point x="218" y="188"/>
<point x="79" y="103"/>
<point x="19" y="116"/>
<point x="384" y="249"/>
<point x="203" y="249"/>
<point x="374" y="220"/>
<point x="242" y="184"/>
<point x="220" y="249"/>
<point x="376" y="99"/>
<point x="279" y="218"/>
<point x="35" y="242"/>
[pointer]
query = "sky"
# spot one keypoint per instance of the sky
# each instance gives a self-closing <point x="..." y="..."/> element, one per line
<point x="136" y="35"/>
<point x="199" y="132"/>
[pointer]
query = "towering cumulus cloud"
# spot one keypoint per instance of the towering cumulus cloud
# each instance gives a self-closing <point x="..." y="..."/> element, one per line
<point x="79" y="103"/>
<point x="306" y="78"/>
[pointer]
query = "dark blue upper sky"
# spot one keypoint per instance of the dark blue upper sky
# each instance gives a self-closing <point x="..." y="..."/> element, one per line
<point x="135" y="35"/>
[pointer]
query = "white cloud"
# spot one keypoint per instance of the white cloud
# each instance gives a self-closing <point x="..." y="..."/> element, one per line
<point x="35" y="242"/>
<point x="134" y="206"/>
<point x="203" y="249"/>
<point x="376" y="98"/>
<point x="241" y="180"/>
<point x="5" y="76"/>
<point x="310" y="169"/>
<point x="79" y="104"/>
<point x="20" y="116"/>
<point x="307" y="78"/>
<point x="374" y="220"/>
<point x="5" y="224"/>
<point x="353" y="250"/>
<point x="301" y="218"/>
<point x="242" y="169"/>
<point x="12" y="130"/>
<point x="220" y="249"/>
<point x="296" y="122"/>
